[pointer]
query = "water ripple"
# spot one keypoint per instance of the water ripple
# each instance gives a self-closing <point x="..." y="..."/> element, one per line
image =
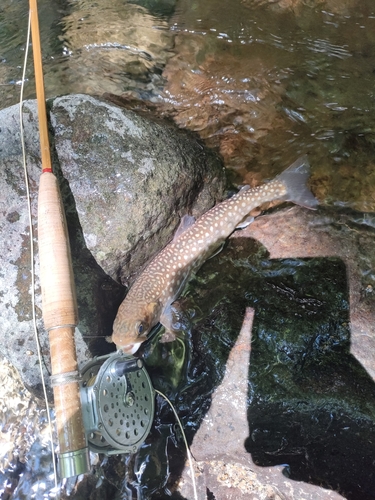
<point x="326" y="47"/>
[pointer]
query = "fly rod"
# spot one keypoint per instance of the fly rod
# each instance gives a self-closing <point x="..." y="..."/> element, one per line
<point x="58" y="291"/>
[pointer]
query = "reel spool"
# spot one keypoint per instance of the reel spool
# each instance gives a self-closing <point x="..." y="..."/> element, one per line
<point x="118" y="403"/>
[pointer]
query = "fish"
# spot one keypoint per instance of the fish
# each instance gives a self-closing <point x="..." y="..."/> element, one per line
<point x="149" y="300"/>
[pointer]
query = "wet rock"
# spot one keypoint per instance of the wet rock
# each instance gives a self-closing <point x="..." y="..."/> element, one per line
<point x="223" y="468"/>
<point x="348" y="235"/>
<point x="300" y="407"/>
<point x="125" y="182"/>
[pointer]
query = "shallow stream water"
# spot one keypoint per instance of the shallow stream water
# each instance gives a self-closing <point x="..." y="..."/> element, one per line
<point x="263" y="82"/>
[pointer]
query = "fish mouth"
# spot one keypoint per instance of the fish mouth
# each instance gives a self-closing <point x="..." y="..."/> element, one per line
<point x="131" y="348"/>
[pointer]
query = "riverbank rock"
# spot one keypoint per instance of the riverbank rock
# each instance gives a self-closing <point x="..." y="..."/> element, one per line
<point x="125" y="182"/>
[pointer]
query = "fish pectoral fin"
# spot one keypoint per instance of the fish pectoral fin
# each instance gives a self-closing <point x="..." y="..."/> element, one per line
<point x="217" y="250"/>
<point x="185" y="222"/>
<point x="171" y="336"/>
<point x="245" y="222"/>
<point x="170" y="319"/>
<point x="151" y="310"/>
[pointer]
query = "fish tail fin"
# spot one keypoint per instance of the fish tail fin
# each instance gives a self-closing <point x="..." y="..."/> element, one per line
<point x="295" y="179"/>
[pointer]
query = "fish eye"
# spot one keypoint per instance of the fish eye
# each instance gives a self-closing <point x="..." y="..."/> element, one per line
<point x="139" y="328"/>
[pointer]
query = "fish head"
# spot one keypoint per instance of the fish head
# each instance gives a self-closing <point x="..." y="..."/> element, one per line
<point x="133" y="324"/>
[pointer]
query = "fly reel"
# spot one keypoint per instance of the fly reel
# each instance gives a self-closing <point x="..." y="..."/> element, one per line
<point x="117" y="403"/>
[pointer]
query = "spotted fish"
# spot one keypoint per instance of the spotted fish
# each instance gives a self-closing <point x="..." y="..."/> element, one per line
<point x="150" y="298"/>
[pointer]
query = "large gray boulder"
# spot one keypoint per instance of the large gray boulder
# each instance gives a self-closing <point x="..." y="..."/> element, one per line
<point x="125" y="180"/>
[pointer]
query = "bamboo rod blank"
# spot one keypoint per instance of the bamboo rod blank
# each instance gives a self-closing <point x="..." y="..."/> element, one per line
<point x="40" y="95"/>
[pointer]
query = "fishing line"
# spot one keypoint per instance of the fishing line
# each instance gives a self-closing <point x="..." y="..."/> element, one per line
<point x="185" y="441"/>
<point x="32" y="266"/>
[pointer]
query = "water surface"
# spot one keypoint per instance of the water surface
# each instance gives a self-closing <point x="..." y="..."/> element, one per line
<point x="262" y="81"/>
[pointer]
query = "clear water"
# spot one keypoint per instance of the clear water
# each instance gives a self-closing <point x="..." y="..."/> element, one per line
<point x="263" y="81"/>
<point x="273" y="80"/>
<point x="107" y="46"/>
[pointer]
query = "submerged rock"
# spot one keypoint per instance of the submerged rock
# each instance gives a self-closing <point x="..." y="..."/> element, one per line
<point x="125" y="181"/>
<point x="117" y="40"/>
<point x="263" y="100"/>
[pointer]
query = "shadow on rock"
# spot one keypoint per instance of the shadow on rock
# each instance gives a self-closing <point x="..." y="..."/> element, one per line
<point x="311" y="403"/>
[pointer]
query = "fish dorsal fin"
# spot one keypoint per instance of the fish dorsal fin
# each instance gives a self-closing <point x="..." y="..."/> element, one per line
<point x="186" y="222"/>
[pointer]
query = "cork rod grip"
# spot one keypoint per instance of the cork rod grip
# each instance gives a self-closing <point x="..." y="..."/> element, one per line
<point x="59" y="311"/>
<point x="56" y="272"/>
